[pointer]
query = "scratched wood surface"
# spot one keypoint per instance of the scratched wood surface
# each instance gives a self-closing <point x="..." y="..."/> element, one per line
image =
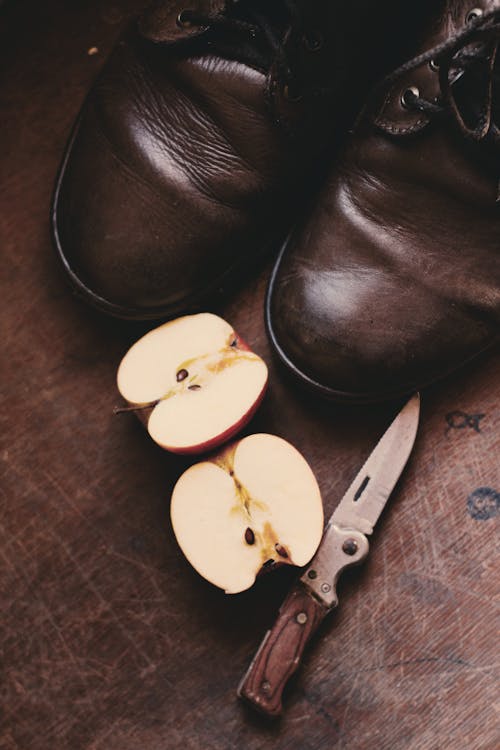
<point x="109" y="640"/>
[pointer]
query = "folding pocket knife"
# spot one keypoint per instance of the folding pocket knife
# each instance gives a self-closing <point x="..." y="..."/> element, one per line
<point x="344" y="544"/>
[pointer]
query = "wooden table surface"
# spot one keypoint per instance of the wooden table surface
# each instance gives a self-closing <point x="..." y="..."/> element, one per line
<point x="109" y="640"/>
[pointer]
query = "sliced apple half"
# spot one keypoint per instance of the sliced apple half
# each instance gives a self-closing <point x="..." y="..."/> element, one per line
<point x="193" y="382"/>
<point x="252" y="506"/>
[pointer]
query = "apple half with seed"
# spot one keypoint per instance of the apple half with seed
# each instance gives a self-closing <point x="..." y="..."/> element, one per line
<point x="193" y="382"/>
<point x="252" y="506"/>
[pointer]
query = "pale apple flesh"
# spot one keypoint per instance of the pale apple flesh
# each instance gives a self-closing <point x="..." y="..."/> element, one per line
<point x="254" y="505"/>
<point x="195" y="382"/>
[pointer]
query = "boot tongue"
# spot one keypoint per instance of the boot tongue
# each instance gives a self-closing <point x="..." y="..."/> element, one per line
<point x="235" y="41"/>
<point x="276" y="13"/>
<point x="244" y="45"/>
<point x="471" y="95"/>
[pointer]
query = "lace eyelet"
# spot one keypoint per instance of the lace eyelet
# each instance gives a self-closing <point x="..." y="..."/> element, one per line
<point x="408" y="96"/>
<point x="434" y="66"/>
<point x="184" y="19"/>
<point x="473" y="14"/>
<point x="313" y="41"/>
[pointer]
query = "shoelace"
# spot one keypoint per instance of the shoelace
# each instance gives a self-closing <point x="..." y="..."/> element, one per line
<point x="257" y="24"/>
<point x="475" y="48"/>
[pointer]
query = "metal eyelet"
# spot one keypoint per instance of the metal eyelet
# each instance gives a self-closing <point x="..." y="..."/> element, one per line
<point x="183" y="20"/>
<point x="313" y="41"/>
<point x="473" y="14"/>
<point x="434" y="66"/>
<point x="408" y="96"/>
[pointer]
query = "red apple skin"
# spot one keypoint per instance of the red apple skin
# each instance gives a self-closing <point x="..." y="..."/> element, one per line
<point x="224" y="437"/>
<point x="242" y="344"/>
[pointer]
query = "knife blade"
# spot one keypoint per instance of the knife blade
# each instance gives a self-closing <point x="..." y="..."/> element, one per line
<point x="344" y="544"/>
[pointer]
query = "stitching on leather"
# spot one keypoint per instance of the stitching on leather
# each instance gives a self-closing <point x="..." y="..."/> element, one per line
<point x="416" y="127"/>
<point x="387" y="124"/>
<point x="384" y="105"/>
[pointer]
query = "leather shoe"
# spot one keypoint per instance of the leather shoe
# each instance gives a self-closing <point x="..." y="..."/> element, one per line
<point x="393" y="281"/>
<point x="199" y="142"/>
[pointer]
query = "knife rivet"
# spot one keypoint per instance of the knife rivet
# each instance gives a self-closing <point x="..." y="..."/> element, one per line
<point x="325" y="588"/>
<point x="350" y="547"/>
<point x="312" y="574"/>
<point x="301" y="618"/>
<point x="266" y="686"/>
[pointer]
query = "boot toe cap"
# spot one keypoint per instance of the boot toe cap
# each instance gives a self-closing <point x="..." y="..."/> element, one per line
<point x="122" y="241"/>
<point x="364" y="334"/>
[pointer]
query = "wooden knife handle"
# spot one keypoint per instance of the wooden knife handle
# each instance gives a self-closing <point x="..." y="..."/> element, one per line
<point x="281" y="650"/>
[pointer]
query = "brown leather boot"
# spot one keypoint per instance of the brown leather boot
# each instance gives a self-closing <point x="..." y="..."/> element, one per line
<point x="200" y="139"/>
<point x="394" y="280"/>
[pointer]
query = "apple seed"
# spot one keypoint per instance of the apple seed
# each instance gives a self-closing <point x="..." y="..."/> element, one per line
<point x="249" y="536"/>
<point x="280" y="550"/>
<point x="194" y="387"/>
<point x="181" y="375"/>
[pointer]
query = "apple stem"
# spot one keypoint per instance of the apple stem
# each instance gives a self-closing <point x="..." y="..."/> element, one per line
<point x="126" y="409"/>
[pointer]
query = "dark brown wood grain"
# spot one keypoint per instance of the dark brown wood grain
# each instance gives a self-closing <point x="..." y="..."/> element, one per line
<point x="280" y="653"/>
<point x="108" y="639"/>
